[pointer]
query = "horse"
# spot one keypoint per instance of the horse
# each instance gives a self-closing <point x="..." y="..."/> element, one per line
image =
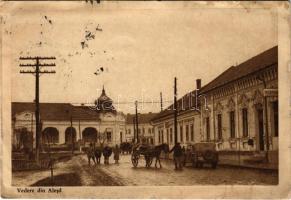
<point x="98" y="154"/>
<point x="125" y="147"/>
<point x="155" y="152"/>
<point x="107" y="151"/>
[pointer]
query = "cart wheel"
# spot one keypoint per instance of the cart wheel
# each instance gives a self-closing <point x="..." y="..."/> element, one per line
<point x="134" y="159"/>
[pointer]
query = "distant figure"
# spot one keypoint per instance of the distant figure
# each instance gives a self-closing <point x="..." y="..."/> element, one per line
<point x="90" y="154"/>
<point x="116" y="153"/>
<point x="107" y="151"/>
<point x="183" y="149"/>
<point x="178" y="153"/>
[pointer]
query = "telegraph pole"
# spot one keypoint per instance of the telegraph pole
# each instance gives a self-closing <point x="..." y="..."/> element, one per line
<point x="71" y="131"/>
<point x="161" y="97"/>
<point x="134" y="132"/>
<point x="136" y="121"/>
<point x="37" y="64"/>
<point x="175" y="110"/>
<point x="261" y="78"/>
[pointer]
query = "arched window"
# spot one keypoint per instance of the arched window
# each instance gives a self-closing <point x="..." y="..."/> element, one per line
<point x="50" y="135"/>
<point x="70" y="135"/>
<point x="89" y="134"/>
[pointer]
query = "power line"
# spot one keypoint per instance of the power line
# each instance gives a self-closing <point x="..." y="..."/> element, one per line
<point x="127" y="102"/>
<point x="36" y="65"/>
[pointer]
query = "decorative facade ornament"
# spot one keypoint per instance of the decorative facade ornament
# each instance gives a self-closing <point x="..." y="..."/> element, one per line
<point x="243" y="101"/>
<point x="219" y="107"/>
<point x="258" y="97"/>
<point x="231" y="104"/>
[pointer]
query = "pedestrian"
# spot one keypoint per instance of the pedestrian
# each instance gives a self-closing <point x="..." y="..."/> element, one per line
<point x="90" y="154"/>
<point x="116" y="153"/>
<point x="178" y="154"/>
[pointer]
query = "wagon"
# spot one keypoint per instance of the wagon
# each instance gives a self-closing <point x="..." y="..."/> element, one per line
<point x="141" y="150"/>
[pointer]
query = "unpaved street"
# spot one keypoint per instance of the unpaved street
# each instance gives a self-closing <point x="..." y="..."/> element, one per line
<point x="125" y="174"/>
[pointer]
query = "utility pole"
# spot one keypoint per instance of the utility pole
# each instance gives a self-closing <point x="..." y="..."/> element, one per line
<point x="261" y="78"/>
<point x="37" y="64"/>
<point x="71" y="132"/>
<point x="134" y="131"/>
<point x="175" y="111"/>
<point x="136" y="121"/>
<point x="80" y="140"/>
<point x="161" y="97"/>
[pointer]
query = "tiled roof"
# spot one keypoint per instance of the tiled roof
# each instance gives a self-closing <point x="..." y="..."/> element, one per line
<point x="56" y="111"/>
<point x="257" y="63"/>
<point x="85" y="113"/>
<point x="184" y="104"/>
<point x="142" y="118"/>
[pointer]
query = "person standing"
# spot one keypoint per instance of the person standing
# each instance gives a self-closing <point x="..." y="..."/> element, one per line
<point x="90" y="154"/>
<point x="116" y="153"/>
<point x="178" y="153"/>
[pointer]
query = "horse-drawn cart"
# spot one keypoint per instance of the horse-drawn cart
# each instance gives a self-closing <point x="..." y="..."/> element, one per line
<point x="149" y="152"/>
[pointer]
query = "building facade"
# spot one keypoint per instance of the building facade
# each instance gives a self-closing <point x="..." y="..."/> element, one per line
<point x="64" y="124"/>
<point x="238" y="110"/>
<point x="188" y="122"/>
<point x="145" y="127"/>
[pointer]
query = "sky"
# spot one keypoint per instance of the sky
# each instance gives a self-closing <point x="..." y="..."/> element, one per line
<point x="140" y="49"/>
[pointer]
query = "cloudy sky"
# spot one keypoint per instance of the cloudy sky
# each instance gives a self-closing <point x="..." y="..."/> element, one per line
<point x="141" y="48"/>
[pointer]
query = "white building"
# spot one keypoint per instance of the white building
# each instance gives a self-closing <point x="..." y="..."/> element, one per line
<point x="101" y="123"/>
<point x="145" y="128"/>
<point x="231" y="109"/>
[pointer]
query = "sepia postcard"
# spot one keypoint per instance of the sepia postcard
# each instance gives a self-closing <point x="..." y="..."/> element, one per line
<point x="145" y="99"/>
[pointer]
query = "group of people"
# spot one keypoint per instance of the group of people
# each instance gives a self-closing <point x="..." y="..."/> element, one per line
<point x="95" y="153"/>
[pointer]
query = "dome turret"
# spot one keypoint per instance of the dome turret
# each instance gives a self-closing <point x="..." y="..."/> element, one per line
<point x="104" y="103"/>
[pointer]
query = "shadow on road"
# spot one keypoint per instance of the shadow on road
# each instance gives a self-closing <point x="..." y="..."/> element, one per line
<point x="69" y="179"/>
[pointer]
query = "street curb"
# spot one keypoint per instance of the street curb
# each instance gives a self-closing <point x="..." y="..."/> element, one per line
<point x="247" y="166"/>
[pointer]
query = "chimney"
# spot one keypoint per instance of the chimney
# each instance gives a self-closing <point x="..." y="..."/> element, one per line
<point x="198" y="84"/>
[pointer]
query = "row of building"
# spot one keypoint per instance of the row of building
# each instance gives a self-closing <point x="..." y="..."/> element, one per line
<point x="230" y="110"/>
<point x="65" y="124"/>
<point x="236" y="110"/>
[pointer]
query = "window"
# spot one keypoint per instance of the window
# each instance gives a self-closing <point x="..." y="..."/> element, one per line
<point x="108" y="136"/>
<point x="192" y="132"/>
<point x="219" y="126"/>
<point x="128" y="131"/>
<point x="181" y="134"/>
<point x="159" y="136"/>
<point x="149" y="130"/>
<point x="245" y="122"/>
<point x="171" y="135"/>
<point x="207" y="129"/>
<point x="232" y="124"/>
<point x="187" y="133"/>
<point x="276" y="120"/>
<point x="143" y="130"/>
<point x="162" y="136"/>
<point x="121" y="139"/>
<point x="168" y="136"/>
